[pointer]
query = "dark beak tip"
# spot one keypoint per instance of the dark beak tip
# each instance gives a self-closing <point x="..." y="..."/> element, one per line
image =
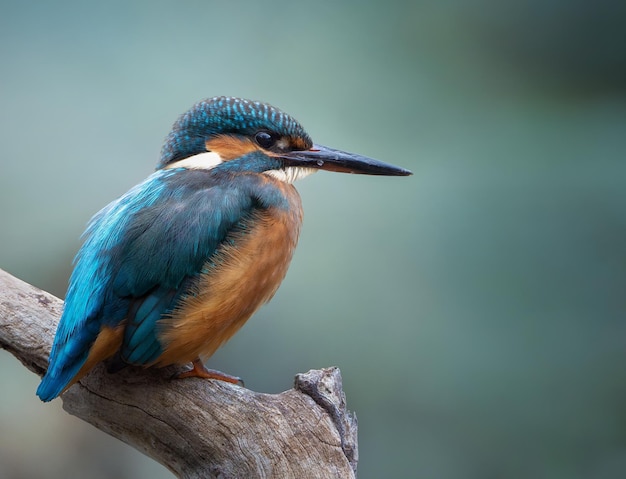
<point x="392" y="170"/>
<point x="405" y="172"/>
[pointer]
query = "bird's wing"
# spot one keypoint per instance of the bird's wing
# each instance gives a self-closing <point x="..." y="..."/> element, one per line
<point x="173" y="244"/>
<point x="140" y="254"/>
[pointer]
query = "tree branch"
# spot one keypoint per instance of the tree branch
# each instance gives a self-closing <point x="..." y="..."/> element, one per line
<point x="195" y="428"/>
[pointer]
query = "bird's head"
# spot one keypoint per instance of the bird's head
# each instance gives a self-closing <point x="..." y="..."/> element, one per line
<point x="224" y="129"/>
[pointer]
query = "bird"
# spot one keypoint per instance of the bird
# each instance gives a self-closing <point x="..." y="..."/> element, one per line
<point x="171" y="270"/>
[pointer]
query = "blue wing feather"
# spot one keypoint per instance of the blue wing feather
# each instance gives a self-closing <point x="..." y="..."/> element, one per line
<point x="141" y="345"/>
<point x="140" y="255"/>
<point x="87" y="296"/>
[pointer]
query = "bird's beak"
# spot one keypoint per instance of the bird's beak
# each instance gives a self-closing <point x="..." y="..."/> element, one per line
<point x="324" y="158"/>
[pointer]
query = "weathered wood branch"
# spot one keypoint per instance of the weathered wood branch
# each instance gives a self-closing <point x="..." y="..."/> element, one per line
<point x="195" y="428"/>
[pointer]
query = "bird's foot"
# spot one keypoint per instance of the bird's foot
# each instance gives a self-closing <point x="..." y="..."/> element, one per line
<point x="199" y="370"/>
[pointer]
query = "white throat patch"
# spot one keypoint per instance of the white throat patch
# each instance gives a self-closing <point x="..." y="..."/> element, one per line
<point x="201" y="161"/>
<point x="290" y="173"/>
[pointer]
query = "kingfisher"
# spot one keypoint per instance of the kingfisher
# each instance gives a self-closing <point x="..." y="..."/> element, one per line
<point x="172" y="269"/>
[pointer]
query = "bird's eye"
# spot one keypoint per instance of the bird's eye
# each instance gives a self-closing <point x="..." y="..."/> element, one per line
<point x="264" y="139"/>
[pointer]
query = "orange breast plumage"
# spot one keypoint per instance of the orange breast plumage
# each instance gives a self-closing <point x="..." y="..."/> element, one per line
<point x="244" y="274"/>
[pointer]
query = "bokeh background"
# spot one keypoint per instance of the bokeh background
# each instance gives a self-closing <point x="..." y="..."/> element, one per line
<point x="476" y="309"/>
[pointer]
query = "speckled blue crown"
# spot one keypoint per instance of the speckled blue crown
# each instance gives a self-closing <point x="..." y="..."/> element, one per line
<point x="223" y="114"/>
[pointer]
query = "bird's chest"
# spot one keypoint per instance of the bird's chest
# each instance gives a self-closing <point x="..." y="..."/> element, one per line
<point x="244" y="273"/>
<point x="248" y="268"/>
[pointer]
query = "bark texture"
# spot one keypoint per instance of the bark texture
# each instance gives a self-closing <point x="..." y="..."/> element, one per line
<point x="194" y="427"/>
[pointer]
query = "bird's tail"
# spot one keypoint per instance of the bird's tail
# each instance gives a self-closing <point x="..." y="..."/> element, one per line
<point x="56" y="380"/>
<point x="53" y="385"/>
<point x="69" y="354"/>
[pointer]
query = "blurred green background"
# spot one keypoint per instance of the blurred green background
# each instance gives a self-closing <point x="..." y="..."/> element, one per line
<point x="476" y="309"/>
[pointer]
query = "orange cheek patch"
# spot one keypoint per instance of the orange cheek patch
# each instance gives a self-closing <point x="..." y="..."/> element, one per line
<point x="230" y="147"/>
<point x="299" y="143"/>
